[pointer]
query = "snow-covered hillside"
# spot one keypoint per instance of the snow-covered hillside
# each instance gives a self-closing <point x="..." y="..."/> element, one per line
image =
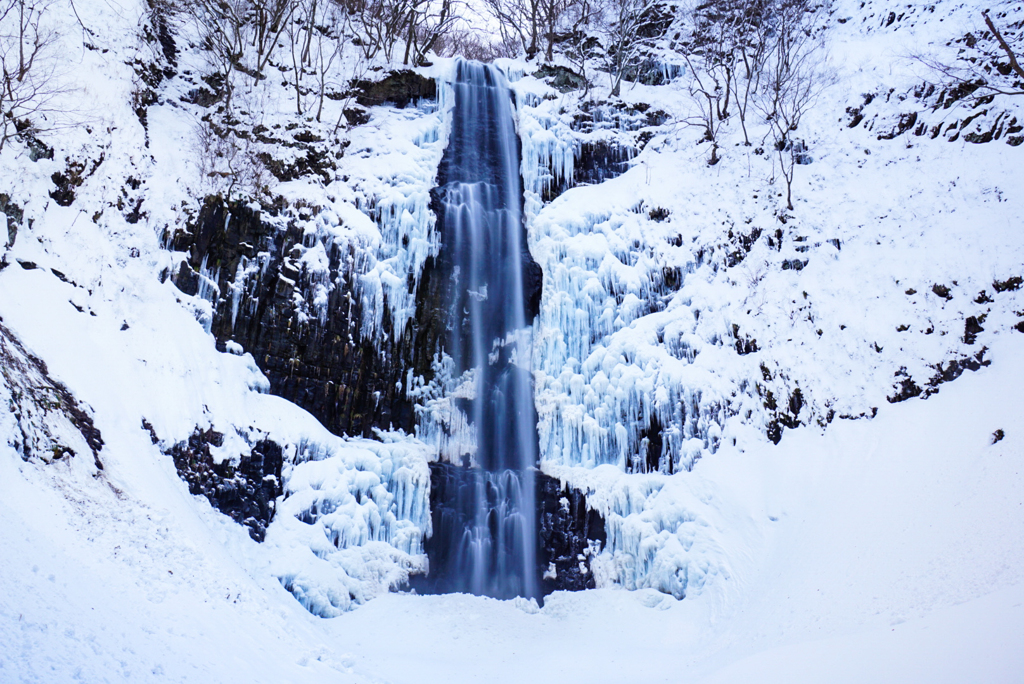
<point x="799" y="426"/>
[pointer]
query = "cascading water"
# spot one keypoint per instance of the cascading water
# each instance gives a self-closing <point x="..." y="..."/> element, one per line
<point x="484" y="537"/>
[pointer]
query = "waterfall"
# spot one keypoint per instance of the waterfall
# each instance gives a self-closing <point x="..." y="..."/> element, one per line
<point x="484" y="520"/>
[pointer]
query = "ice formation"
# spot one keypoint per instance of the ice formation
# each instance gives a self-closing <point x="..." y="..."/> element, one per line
<point x="352" y="520"/>
<point x="400" y="206"/>
<point x="617" y="378"/>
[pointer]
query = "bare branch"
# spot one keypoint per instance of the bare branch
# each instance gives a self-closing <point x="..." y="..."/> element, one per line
<point x="1003" y="44"/>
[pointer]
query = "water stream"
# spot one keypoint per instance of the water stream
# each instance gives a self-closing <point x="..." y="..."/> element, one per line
<point x="485" y="526"/>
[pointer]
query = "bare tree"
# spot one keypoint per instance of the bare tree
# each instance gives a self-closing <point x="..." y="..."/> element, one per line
<point x="1010" y="54"/>
<point x="269" y="18"/>
<point x="796" y="73"/>
<point x="29" y="80"/>
<point x="328" y="41"/>
<point x="558" y="15"/>
<point x="712" y="64"/>
<point x="519" y="21"/>
<point x="296" y="36"/>
<point x="222" y="25"/>
<point x="707" y="93"/>
<point x="581" y="47"/>
<point x="382" y="24"/>
<point x="751" y="36"/>
<point x="621" y="23"/>
<point x="429" y="21"/>
<point x="472" y="45"/>
<point x="979" y="65"/>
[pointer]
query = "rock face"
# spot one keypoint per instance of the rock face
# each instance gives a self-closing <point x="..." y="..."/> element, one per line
<point x="608" y="135"/>
<point x="46" y="421"/>
<point x="568" y="535"/>
<point x="322" y="364"/>
<point x="906" y="388"/>
<point x="400" y="88"/>
<point x="245" y="492"/>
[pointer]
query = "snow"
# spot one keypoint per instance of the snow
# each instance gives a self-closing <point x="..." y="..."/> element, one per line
<point x="879" y="548"/>
<point x="875" y="549"/>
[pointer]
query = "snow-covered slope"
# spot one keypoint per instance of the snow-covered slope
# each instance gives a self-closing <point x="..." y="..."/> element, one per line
<point x="688" y="321"/>
<point x="883" y="550"/>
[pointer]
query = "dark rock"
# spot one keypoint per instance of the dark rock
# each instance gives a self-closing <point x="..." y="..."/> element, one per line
<point x="399" y="88"/>
<point x="942" y="291"/>
<point x="15" y="215"/>
<point x="158" y="16"/>
<point x="652" y="71"/>
<point x="658" y="214"/>
<point x="349" y="384"/>
<point x="744" y="345"/>
<point x="35" y="399"/>
<point x="202" y="97"/>
<point x="741" y="244"/>
<point x="955" y="368"/>
<point x="316" y="161"/>
<point x="37" y="149"/>
<point x="905" y="123"/>
<point x="601" y="161"/>
<point x="958" y="92"/>
<point x="906" y="388"/>
<point x="357" y="116"/>
<point x="560" y="78"/>
<point x="998" y="436"/>
<point x="777" y="419"/>
<point x="1009" y="285"/>
<point x="246" y="492"/>
<point x="148" y="427"/>
<point x="569" y="533"/>
<point x="66" y="182"/>
<point x="971" y="329"/>
<point x="186" y="279"/>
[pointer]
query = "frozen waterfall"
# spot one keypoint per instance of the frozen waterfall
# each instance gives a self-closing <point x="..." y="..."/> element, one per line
<point x="484" y="533"/>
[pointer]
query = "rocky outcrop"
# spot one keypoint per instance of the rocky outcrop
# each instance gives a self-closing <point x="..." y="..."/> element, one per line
<point x="398" y="88"/>
<point x="560" y="78"/>
<point x="350" y="384"/>
<point x="246" y="490"/>
<point x="608" y="135"/>
<point x="569" y="533"/>
<point x="905" y="387"/>
<point x="49" y="424"/>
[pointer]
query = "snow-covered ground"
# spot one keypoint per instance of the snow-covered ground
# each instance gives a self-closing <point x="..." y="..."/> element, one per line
<point x="885" y="550"/>
<point x="857" y="549"/>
